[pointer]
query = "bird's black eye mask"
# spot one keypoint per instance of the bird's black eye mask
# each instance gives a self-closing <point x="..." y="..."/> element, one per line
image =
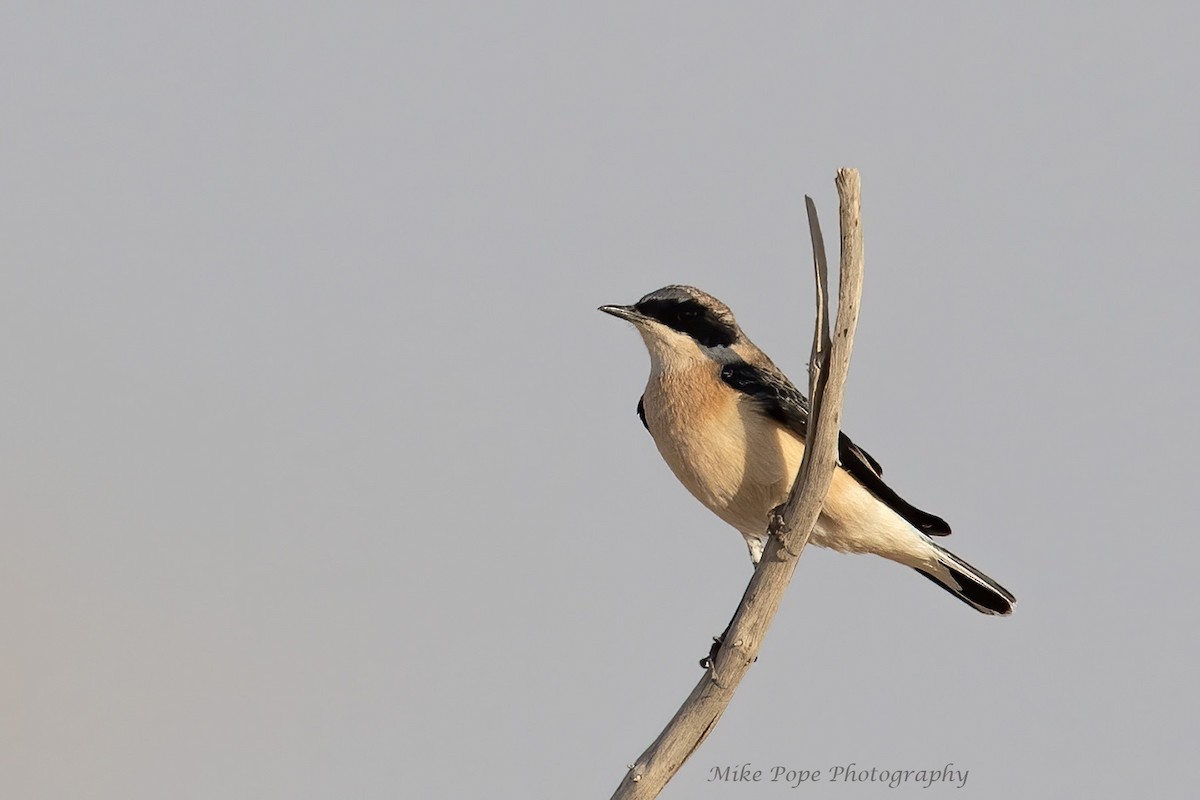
<point x="691" y="318"/>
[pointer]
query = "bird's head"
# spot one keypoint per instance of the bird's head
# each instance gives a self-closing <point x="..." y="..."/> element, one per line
<point x="680" y="324"/>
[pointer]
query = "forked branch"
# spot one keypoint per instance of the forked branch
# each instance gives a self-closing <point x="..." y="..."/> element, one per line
<point x="791" y="527"/>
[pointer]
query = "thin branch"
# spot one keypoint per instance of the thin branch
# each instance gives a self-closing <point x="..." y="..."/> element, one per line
<point x="790" y="529"/>
<point x="821" y="342"/>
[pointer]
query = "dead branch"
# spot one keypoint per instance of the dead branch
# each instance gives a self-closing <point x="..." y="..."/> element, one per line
<point x="791" y="528"/>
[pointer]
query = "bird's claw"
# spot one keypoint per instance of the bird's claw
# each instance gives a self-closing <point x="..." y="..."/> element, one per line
<point x="776" y="523"/>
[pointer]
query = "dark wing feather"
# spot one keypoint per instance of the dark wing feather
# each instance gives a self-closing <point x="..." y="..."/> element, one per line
<point x="781" y="401"/>
<point x="642" y="413"/>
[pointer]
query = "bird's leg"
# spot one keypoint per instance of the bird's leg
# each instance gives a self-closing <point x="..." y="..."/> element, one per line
<point x="776" y="523"/>
<point x="777" y="527"/>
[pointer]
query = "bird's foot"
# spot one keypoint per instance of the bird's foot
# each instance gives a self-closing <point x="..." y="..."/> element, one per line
<point x="776" y="523"/>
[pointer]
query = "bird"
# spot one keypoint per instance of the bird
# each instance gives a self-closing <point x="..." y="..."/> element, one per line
<point x="731" y="427"/>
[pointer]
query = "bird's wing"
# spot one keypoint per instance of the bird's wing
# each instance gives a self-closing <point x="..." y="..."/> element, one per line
<point x="781" y="401"/>
<point x="642" y="413"/>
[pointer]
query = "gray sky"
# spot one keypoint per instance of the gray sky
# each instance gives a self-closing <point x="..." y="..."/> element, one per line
<point x="321" y="475"/>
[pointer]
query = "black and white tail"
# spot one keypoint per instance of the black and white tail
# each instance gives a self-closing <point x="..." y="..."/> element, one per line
<point x="969" y="584"/>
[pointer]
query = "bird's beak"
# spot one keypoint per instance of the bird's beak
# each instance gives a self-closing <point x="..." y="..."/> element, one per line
<point x="624" y="312"/>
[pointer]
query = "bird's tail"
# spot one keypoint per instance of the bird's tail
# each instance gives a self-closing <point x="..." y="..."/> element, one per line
<point x="968" y="584"/>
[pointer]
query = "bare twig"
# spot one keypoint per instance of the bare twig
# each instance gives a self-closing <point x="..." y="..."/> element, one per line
<point x="790" y="530"/>
<point x="821" y="342"/>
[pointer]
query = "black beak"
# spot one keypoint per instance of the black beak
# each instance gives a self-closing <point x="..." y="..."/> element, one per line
<point x="624" y="312"/>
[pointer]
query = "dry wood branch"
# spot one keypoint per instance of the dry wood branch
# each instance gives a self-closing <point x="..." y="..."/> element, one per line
<point x="790" y="529"/>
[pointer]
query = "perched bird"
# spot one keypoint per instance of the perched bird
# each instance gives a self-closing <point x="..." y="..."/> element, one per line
<point x="731" y="426"/>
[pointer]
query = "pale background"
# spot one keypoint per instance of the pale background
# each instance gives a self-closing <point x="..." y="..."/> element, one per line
<point x="320" y="472"/>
